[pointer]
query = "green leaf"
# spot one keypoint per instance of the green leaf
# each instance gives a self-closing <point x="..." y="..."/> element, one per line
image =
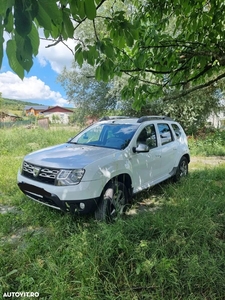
<point x="79" y="57"/>
<point x="68" y="25"/>
<point x="23" y="20"/>
<point x="98" y="73"/>
<point x="11" y="273"/>
<point x="26" y="60"/>
<point x="74" y="12"/>
<point x="103" y="70"/>
<point x="80" y="8"/>
<point x="97" y="2"/>
<point x="77" y="47"/>
<point x="4" y="5"/>
<point x="24" y="52"/>
<point x="129" y="38"/>
<point x="55" y="32"/>
<point x="109" y="50"/>
<point x="1" y="42"/>
<point x="90" y="9"/>
<point x="138" y="270"/>
<point x="43" y="18"/>
<point x="93" y="52"/>
<point x="34" y="38"/>
<point x="52" y="10"/>
<point x="33" y="9"/>
<point x="8" y="21"/>
<point x="13" y="62"/>
<point x="134" y="33"/>
<point x="46" y="33"/>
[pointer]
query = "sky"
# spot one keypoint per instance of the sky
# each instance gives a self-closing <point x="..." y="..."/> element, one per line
<point x="39" y="85"/>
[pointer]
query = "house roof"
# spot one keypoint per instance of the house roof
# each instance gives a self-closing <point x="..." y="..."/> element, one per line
<point x="57" y="109"/>
<point x="2" y="114"/>
<point x="36" y="107"/>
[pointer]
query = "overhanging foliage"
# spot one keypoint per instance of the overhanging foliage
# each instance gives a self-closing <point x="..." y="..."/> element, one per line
<point x="168" y="49"/>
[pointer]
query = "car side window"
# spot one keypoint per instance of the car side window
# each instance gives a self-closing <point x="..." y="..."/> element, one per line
<point x="148" y="136"/>
<point x="177" y="130"/>
<point x="165" y="133"/>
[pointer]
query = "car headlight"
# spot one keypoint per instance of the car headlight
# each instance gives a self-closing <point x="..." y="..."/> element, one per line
<point x="69" y="177"/>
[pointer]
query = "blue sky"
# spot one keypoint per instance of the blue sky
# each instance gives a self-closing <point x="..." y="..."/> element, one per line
<point x="39" y="85"/>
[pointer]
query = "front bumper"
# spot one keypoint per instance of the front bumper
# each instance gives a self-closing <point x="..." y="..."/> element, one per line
<point x="42" y="196"/>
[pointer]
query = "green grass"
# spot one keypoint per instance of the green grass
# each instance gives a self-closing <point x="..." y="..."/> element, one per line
<point x="175" y="250"/>
<point x="208" y="144"/>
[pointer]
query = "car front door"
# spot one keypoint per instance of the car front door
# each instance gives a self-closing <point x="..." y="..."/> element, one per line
<point x="147" y="165"/>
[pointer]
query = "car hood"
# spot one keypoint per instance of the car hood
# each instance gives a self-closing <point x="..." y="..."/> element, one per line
<point x="68" y="156"/>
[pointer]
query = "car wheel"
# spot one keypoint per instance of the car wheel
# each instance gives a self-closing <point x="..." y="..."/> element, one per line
<point x="113" y="202"/>
<point x="182" y="169"/>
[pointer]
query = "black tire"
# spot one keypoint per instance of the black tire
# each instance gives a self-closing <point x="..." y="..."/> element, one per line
<point x="182" y="169"/>
<point x="113" y="202"/>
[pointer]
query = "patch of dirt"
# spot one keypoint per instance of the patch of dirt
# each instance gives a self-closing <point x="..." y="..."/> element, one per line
<point x="206" y="161"/>
<point x="4" y="209"/>
<point x="210" y="160"/>
<point x="18" y="235"/>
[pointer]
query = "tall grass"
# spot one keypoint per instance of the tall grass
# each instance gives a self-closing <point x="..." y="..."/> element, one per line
<point x="174" y="251"/>
<point x="209" y="144"/>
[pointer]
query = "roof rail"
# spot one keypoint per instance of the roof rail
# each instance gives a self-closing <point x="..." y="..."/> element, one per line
<point x="149" y="118"/>
<point x="105" y="118"/>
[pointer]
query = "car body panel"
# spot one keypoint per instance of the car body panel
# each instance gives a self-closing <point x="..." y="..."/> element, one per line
<point x="68" y="156"/>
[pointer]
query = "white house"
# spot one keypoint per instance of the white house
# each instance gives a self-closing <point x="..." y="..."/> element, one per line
<point x="58" y="114"/>
<point x="217" y="120"/>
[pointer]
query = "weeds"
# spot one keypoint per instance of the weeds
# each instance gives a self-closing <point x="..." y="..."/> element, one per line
<point x="175" y="252"/>
<point x="208" y="144"/>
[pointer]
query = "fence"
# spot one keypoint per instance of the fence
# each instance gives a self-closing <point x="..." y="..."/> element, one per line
<point x="15" y="124"/>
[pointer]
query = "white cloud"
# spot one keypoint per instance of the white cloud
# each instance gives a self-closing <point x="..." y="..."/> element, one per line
<point x="58" y="56"/>
<point x="30" y="88"/>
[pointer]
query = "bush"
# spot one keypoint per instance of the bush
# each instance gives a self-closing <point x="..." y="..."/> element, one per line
<point x="208" y="142"/>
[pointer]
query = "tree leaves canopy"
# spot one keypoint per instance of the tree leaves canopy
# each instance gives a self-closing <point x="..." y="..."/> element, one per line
<point x="167" y="48"/>
<point x="91" y="98"/>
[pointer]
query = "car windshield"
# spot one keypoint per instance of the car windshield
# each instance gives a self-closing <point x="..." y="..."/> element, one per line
<point x="116" y="136"/>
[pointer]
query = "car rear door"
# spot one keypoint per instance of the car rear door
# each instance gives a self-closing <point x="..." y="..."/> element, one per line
<point x="169" y="148"/>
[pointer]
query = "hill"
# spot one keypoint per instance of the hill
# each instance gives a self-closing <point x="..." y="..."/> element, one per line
<point x="11" y="104"/>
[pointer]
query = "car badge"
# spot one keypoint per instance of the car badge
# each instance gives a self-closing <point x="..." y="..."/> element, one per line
<point x="36" y="171"/>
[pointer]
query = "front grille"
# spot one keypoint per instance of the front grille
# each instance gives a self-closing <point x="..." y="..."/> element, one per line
<point x="37" y="173"/>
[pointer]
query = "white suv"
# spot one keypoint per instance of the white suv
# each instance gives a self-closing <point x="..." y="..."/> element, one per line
<point x="103" y="166"/>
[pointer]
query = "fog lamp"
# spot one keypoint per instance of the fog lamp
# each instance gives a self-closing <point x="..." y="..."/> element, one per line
<point x="82" y="205"/>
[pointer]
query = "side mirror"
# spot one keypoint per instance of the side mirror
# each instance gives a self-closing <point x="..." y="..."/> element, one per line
<point x="141" y="148"/>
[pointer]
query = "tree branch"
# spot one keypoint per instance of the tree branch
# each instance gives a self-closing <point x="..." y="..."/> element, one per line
<point x="145" y="70"/>
<point x="144" y="81"/>
<point x="191" y="90"/>
<point x="97" y="7"/>
<point x="206" y="69"/>
<point x="95" y="31"/>
<point x="55" y="42"/>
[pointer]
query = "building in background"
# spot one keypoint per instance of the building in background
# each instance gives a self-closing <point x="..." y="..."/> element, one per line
<point x="217" y="120"/>
<point x="34" y="110"/>
<point x="57" y="114"/>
